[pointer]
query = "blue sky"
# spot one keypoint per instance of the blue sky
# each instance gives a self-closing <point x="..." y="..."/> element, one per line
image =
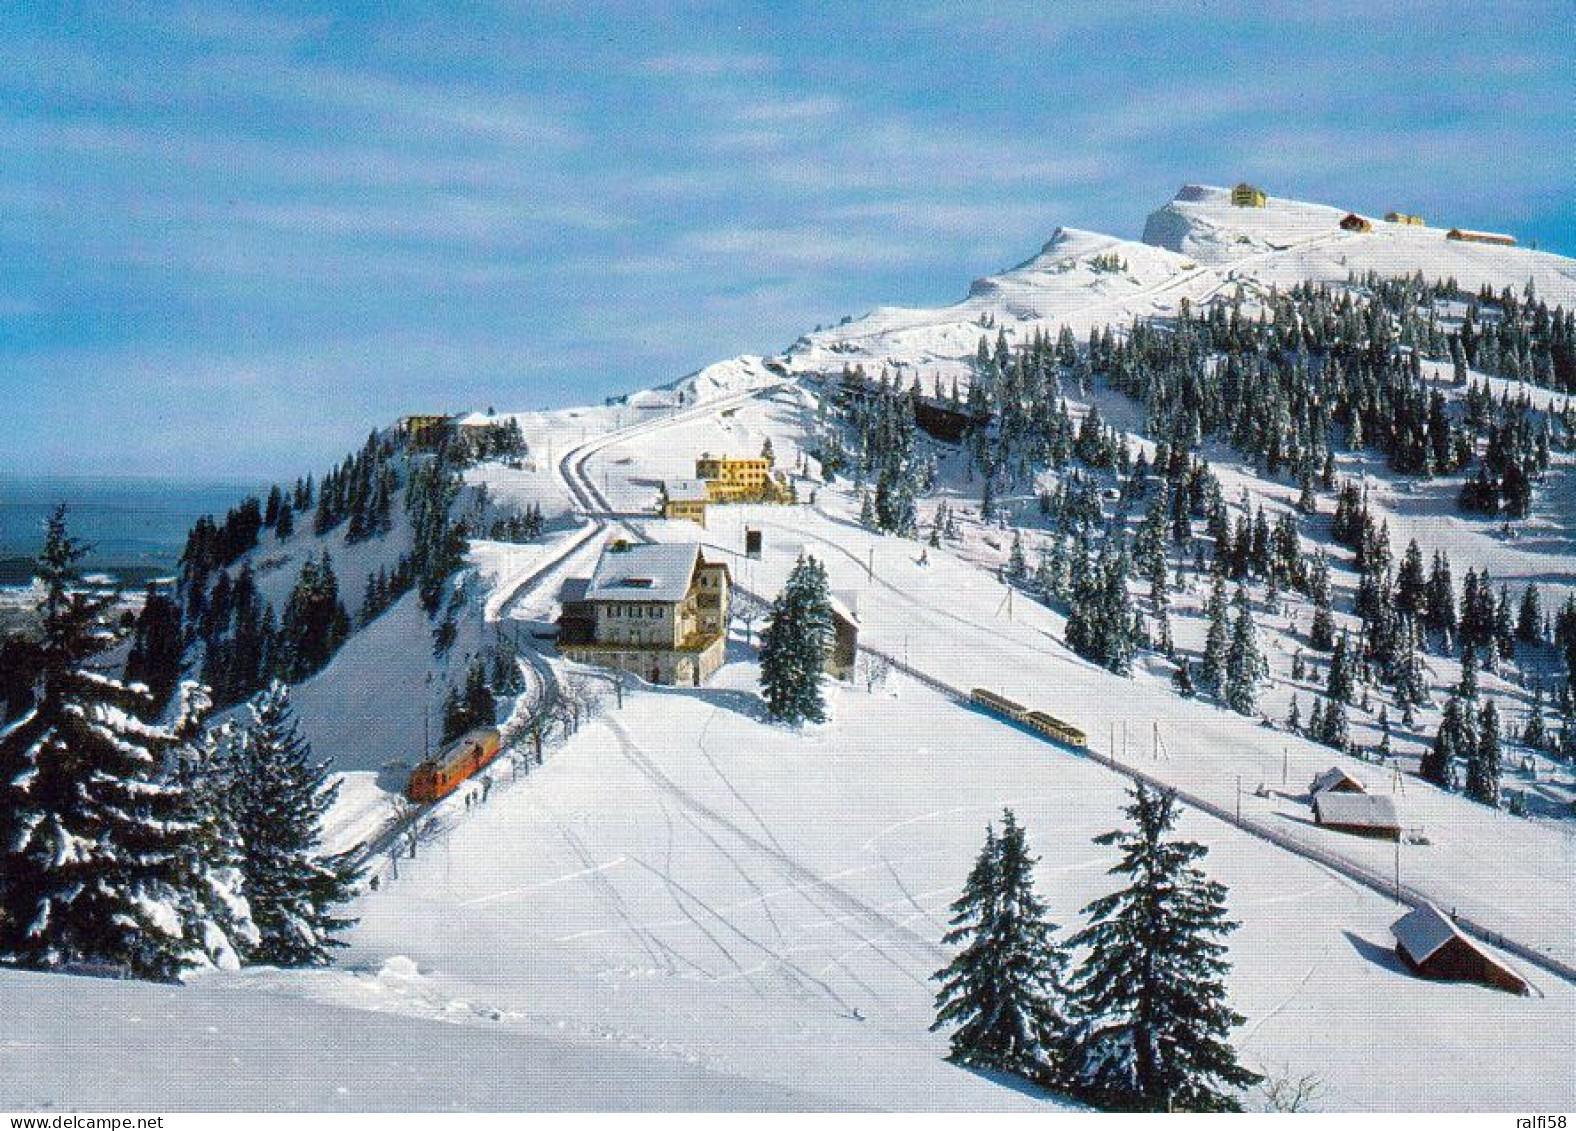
<point x="233" y="239"/>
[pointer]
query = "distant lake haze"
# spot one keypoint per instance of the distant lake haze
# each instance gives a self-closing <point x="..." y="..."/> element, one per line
<point x="135" y="527"/>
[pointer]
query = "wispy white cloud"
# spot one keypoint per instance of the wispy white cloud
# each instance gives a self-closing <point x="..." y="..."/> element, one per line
<point x="706" y="65"/>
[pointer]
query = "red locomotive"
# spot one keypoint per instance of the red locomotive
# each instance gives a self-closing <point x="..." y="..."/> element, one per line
<point x="438" y="777"/>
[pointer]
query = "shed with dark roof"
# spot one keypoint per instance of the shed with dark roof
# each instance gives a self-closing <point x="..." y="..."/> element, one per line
<point x="1432" y="946"/>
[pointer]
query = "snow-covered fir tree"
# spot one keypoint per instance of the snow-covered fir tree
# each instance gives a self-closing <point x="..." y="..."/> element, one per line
<point x="208" y="772"/>
<point x="794" y="643"/>
<point x="281" y="796"/>
<point x="1483" y="760"/>
<point x="102" y="865"/>
<point x="1455" y="738"/>
<point x="1150" y="1018"/>
<point x="1217" y="642"/>
<point x="1003" y="994"/>
<point x="1321" y="633"/>
<point x="1245" y="666"/>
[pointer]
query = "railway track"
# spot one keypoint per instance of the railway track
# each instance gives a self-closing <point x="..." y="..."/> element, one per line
<point x="571" y="470"/>
<point x="1409" y="896"/>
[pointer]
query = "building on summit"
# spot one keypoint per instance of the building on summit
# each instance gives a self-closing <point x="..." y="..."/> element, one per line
<point x="426" y="432"/>
<point x="1247" y="196"/>
<point x="1467" y="235"/>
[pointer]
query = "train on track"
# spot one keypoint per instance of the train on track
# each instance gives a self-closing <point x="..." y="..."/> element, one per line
<point x="1047" y="724"/>
<point x="439" y="776"/>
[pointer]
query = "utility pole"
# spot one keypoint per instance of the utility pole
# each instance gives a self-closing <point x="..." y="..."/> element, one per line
<point x="426" y="724"/>
<point x="1398" y="866"/>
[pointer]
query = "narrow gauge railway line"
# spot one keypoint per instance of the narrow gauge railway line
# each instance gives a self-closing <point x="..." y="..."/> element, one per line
<point x="587" y="492"/>
<point x="571" y="470"/>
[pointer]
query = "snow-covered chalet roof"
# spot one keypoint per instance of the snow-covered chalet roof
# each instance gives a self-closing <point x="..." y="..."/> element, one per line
<point x="1333" y="777"/>
<point x="1422" y="931"/>
<point x="685" y="490"/>
<point x="1359" y="810"/>
<point x="845" y="605"/>
<point x="644" y="572"/>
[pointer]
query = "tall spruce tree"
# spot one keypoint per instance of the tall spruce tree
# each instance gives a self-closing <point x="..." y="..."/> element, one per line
<point x="99" y="866"/>
<point x="1004" y="991"/>
<point x="794" y="643"/>
<point x="1212" y="675"/>
<point x="1245" y="665"/>
<point x="282" y="796"/>
<point x="1456" y="737"/>
<point x="207" y="772"/>
<point x="1151" y="1020"/>
<point x="157" y="648"/>
<point x="1484" y="758"/>
<point x="1321" y="633"/>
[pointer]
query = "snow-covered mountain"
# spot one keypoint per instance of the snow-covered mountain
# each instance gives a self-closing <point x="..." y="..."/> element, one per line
<point x="1197" y="246"/>
<point x="753" y="914"/>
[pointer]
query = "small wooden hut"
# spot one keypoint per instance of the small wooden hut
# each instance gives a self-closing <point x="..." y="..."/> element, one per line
<point x="1432" y="946"/>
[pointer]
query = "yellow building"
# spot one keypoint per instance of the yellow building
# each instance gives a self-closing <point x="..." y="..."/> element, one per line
<point x="1404" y="218"/>
<point x="730" y="480"/>
<point x="426" y="432"/>
<point x="1246" y="196"/>
<point x="657" y="610"/>
<point x="684" y="498"/>
<point x="1352" y="222"/>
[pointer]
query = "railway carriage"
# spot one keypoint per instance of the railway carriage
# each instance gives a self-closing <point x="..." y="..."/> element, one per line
<point x="1041" y="721"/>
<point x="438" y="777"/>
<point x="998" y="704"/>
<point x="1054" y="728"/>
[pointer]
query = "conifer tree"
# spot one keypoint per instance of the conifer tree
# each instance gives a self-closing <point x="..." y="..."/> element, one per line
<point x="1003" y="992"/>
<point x="1321" y="632"/>
<point x="282" y="795"/>
<point x="1217" y="642"/>
<point x="1151" y="1020"/>
<point x="1529" y="618"/>
<point x="1017" y="565"/>
<point x="98" y="866"/>
<point x="1454" y="739"/>
<point x="1334" y="730"/>
<point x="1536" y="734"/>
<point x="794" y="643"/>
<point x="157" y="649"/>
<point x="1483" y="760"/>
<point x="206" y="770"/>
<point x="1245" y="666"/>
<point x="1339" y="686"/>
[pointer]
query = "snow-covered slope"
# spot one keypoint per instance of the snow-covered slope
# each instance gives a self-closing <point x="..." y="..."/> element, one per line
<point x="747" y="916"/>
<point x="1194" y="247"/>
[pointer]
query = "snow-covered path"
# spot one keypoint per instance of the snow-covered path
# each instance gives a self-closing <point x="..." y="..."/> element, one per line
<point x="953" y="621"/>
<point x="685" y="880"/>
